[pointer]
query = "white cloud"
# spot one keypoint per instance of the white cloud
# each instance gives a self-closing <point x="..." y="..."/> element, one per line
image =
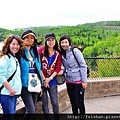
<point x="29" y="13"/>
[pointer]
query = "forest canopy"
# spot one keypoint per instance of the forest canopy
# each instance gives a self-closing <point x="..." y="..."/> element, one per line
<point x="97" y="39"/>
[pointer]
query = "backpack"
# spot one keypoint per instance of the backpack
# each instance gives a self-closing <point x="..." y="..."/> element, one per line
<point x="88" y="69"/>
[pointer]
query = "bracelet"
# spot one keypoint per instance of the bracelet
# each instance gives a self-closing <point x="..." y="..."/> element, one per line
<point x="51" y="77"/>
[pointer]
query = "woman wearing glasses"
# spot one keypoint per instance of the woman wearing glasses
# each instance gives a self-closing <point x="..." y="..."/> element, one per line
<point x="29" y="62"/>
<point x="11" y="51"/>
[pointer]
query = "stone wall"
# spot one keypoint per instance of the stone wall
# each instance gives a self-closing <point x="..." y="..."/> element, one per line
<point x="103" y="87"/>
<point x="96" y="88"/>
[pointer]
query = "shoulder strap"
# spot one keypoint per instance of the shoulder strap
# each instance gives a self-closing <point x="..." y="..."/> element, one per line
<point x="88" y="70"/>
<point x="75" y="56"/>
<point x="10" y="78"/>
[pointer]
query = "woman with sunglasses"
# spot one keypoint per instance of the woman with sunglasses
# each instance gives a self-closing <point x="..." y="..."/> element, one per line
<point x="30" y="61"/>
<point x="11" y="52"/>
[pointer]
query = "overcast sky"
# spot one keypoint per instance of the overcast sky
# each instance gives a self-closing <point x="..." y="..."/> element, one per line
<point x="36" y="13"/>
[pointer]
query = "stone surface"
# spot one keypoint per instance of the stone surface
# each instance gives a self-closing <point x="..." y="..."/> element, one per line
<point x="96" y="89"/>
<point x="103" y="87"/>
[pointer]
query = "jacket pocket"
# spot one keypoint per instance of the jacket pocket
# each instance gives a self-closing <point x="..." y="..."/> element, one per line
<point x="73" y="65"/>
<point x="76" y="72"/>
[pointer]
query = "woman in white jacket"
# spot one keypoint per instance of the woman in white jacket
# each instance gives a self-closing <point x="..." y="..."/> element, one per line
<point x="11" y="51"/>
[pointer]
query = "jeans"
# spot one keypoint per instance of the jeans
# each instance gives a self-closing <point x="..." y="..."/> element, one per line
<point x="53" y="93"/>
<point x="8" y="104"/>
<point x="76" y="95"/>
<point x="30" y="100"/>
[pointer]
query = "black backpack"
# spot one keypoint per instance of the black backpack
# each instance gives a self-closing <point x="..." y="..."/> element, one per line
<point x="88" y="69"/>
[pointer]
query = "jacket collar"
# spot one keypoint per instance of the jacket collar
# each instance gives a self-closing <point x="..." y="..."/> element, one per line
<point x="26" y="53"/>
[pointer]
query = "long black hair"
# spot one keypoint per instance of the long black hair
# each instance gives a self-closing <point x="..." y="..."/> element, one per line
<point x="56" y="47"/>
<point x="34" y="46"/>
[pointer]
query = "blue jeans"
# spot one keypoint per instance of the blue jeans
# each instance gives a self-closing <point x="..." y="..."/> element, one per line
<point x="8" y="104"/>
<point x="53" y="93"/>
<point x="30" y="100"/>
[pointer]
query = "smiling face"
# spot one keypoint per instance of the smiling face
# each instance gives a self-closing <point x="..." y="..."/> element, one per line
<point x="14" y="46"/>
<point x="29" y="39"/>
<point x="51" y="42"/>
<point x="64" y="44"/>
